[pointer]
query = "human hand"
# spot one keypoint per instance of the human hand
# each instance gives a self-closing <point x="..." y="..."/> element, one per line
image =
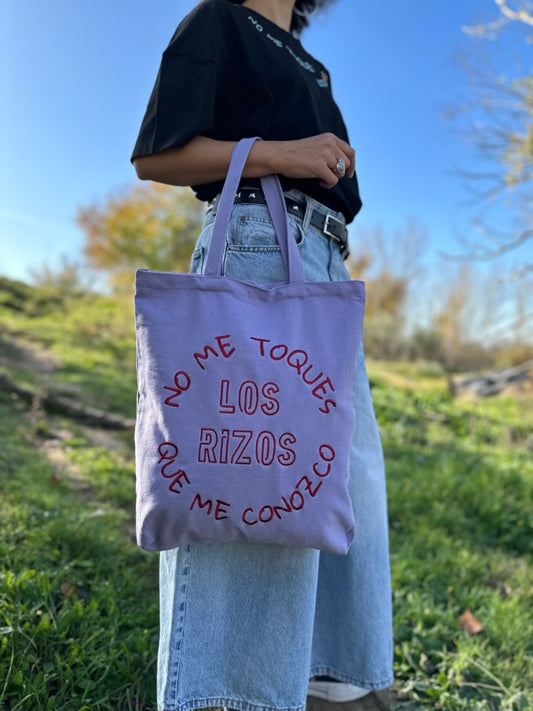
<point x="313" y="157"/>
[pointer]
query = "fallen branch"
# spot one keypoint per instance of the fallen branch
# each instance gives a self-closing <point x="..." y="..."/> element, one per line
<point x="91" y="415"/>
<point x="494" y="381"/>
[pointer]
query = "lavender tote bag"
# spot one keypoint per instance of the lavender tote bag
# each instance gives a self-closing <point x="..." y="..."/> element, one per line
<point x="245" y="399"/>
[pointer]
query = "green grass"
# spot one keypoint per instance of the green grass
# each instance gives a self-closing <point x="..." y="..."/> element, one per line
<point x="460" y="481"/>
<point x="78" y="617"/>
<point x="78" y="599"/>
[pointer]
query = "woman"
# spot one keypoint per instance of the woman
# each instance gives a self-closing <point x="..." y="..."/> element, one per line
<point x="246" y="626"/>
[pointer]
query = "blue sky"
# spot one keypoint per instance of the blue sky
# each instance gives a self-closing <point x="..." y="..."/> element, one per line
<point x="77" y="77"/>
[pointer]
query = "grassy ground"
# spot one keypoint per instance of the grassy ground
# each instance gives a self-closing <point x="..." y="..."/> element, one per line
<point x="78" y="600"/>
<point x="460" y="490"/>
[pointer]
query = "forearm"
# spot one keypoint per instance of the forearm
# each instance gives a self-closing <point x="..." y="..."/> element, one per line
<point x="205" y="160"/>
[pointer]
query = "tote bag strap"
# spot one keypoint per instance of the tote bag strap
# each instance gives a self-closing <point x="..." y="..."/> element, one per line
<point x="276" y="206"/>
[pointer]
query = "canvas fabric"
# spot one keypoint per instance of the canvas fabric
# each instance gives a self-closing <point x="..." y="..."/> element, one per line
<point x="245" y="398"/>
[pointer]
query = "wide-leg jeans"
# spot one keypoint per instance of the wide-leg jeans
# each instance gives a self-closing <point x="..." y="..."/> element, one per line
<point x="244" y="625"/>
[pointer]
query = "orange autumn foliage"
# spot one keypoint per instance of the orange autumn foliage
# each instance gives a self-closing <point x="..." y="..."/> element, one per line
<point x="150" y="225"/>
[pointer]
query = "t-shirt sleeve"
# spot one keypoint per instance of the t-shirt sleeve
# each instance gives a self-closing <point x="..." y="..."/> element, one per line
<point x="183" y="101"/>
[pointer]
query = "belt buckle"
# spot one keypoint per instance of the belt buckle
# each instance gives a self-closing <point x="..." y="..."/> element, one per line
<point x="343" y="243"/>
<point x="326" y="229"/>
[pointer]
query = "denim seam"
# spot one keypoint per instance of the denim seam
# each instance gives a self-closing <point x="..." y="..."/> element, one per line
<point x="229" y="703"/>
<point x="182" y="600"/>
<point x="249" y="248"/>
<point x="255" y="248"/>
<point x="298" y="224"/>
<point x="253" y="218"/>
<point x="267" y="221"/>
<point x="330" y="259"/>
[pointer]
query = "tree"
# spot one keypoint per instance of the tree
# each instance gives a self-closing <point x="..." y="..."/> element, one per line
<point x="390" y="266"/>
<point x="69" y="278"/>
<point x="501" y="128"/>
<point x="150" y="225"/>
<point x="474" y="319"/>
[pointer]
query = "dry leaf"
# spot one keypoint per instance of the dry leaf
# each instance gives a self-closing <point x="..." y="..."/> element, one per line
<point x="469" y="623"/>
<point x="68" y="589"/>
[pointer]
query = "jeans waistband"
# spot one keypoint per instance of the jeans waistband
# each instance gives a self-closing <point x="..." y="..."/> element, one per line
<point x="332" y="224"/>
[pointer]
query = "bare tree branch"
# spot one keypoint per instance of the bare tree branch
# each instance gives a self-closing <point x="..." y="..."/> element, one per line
<point x="523" y="14"/>
<point x="500" y="128"/>
<point x="490" y="30"/>
<point x="503" y="243"/>
<point x="65" y="406"/>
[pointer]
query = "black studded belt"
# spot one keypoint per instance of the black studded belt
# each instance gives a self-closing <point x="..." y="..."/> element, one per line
<point x="329" y="225"/>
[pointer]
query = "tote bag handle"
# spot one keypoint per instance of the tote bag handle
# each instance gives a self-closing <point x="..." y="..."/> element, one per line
<point x="276" y="206"/>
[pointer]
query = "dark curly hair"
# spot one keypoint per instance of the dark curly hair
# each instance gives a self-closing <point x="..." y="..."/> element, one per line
<point x="300" y="21"/>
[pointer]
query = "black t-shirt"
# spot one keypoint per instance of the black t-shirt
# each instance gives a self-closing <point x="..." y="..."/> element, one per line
<point x="229" y="73"/>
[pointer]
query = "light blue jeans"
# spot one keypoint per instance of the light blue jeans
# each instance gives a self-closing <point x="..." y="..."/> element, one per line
<point x="245" y="626"/>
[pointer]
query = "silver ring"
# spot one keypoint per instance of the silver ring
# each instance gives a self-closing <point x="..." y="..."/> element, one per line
<point x="340" y="168"/>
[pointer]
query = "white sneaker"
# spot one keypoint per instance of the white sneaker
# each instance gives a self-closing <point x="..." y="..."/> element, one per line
<point x="336" y="691"/>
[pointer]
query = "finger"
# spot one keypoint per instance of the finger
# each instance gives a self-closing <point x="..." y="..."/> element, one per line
<point x="341" y="165"/>
<point x="349" y="154"/>
<point x="345" y="147"/>
<point x="328" y="177"/>
<point x="333" y="150"/>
